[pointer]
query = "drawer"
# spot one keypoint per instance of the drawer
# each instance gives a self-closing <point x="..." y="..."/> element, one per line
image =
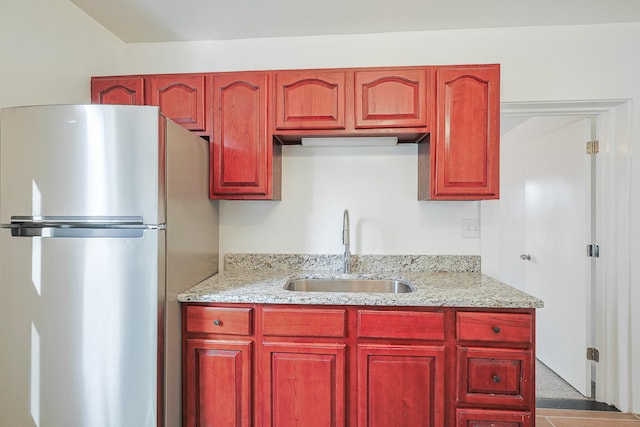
<point x="495" y="376"/>
<point x="401" y="324"/>
<point x="304" y="322"/>
<point x="495" y="327"/>
<point x="219" y="320"/>
<point x="484" y="418"/>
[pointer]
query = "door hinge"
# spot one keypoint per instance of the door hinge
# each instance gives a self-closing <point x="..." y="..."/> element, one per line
<point x="593" y="251"/>
<point x="593" y="354"/>
<point x="593" y="147"/>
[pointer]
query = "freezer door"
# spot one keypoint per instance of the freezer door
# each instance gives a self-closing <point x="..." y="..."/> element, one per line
<point x="79" y="330"/>
<point x="81" y="160"/>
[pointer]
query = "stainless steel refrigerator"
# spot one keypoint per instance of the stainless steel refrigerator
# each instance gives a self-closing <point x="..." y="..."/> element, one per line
<point x="105" y="218"/>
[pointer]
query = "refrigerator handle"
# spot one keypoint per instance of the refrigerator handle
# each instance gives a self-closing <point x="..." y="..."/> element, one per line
<point x="81" y="227"/>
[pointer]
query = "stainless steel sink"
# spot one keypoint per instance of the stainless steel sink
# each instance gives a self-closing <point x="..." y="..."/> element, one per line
<point x="349" y="285"/>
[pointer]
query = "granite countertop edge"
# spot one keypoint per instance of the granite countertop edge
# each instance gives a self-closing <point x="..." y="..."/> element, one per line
<point x="432" y="289"/>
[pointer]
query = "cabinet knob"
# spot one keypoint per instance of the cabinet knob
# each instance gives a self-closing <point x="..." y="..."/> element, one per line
<point x="217" y="322"/>
<point x="496" y="329"/>
<point x="496" y="379"/>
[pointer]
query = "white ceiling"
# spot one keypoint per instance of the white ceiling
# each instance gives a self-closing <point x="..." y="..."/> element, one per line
<point x="187" y="20"/>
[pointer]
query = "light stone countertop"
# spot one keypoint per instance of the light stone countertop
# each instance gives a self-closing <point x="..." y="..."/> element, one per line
<point x="241" y="284"/>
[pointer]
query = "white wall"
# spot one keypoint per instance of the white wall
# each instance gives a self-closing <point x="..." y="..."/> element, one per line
<point x="48" y="51"/>
<point x="379" y="187"/>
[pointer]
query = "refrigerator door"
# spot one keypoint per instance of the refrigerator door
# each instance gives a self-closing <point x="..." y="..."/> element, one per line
<point x="79" y="330"/>
<point x="81" y="160"/>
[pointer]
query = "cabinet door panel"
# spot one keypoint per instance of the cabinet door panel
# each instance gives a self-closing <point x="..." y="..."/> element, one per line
<point x="241" y="157"/>
<point x="304" y="385"/>
<point x="122" y="91"/>
<point x="391" y="98"/>
<point x="400" y="386"/>
<point x="495" y="376"/>
<point x="483" y="418"/>
<point x="181" y="98"/>
<point x="310" y="99"/>
<point x="218" y="383"/>
<point x="465" y="150"/>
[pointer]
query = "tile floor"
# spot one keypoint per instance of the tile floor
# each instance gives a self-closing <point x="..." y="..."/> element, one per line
<point x="572" y="418"/>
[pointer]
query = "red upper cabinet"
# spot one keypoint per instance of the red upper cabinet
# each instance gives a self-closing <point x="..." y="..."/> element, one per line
<point x="464" y="149"/>
<point x="181" y="97"/>
<point x="310" y="99"/>
<point x="117" y="90"/>
<point x="392" y="98"/>
<point x="244" y="163"/>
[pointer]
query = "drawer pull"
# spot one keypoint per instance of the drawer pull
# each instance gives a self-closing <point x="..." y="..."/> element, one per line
<point x="496" y="329"/>
<point x="496" y="379"/>
<point x="217" y="322"/>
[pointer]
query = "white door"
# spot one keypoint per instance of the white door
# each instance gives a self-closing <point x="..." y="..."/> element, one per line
<point x="545" y="216"/>
<point x="557" y="230"/>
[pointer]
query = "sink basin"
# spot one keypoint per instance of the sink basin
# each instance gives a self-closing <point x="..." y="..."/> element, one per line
<point x="349" y="285"/>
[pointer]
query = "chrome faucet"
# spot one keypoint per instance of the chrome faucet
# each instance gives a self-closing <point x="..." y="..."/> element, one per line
<point x="346" y="242"/>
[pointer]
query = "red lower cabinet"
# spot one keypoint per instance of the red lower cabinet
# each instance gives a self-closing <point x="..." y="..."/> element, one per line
<point x="219" y="390"/>
<point x="400" y="385"/>
<point x="304" y="385"/>
<point x="269" y="365"/>
<point x="482" y="418"/>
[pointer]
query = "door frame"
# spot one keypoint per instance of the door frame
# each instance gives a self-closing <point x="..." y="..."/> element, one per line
<point x="610" y="326"/>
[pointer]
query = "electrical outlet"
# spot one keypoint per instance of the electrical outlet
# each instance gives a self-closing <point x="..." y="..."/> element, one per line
<point x="471" y="227"/>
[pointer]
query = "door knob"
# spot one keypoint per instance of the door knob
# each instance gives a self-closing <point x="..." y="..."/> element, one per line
<point x="525" y="257"/>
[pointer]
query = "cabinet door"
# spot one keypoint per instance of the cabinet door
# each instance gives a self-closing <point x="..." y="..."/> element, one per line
<point x="391" y="98"/>
<point x="482" y="418"/>
<point x="217" y="386"/>
<point x="123" y="91"/>
<point x="312" y="99"/>
<point x="465" y="147"/>
<point x="242" y="152"/>
<point x="304" y="385"/>
<point x="181" y="98"/>
<point x="495" y="376"/>
<point x="400" y="386"/>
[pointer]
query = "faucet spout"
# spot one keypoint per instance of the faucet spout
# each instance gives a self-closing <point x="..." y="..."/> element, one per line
<point x="346" y="241"/>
